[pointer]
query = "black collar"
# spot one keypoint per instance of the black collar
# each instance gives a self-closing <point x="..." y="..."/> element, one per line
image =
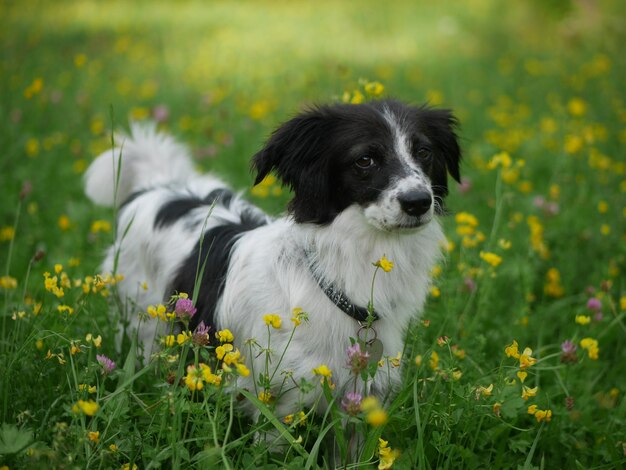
<point x="336" y="296"/>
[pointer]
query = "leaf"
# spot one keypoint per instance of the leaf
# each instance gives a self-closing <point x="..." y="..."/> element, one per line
<point x="14" y="440"/>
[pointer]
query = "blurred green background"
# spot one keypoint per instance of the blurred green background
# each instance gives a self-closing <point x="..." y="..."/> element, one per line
<point x="222" y="74"/>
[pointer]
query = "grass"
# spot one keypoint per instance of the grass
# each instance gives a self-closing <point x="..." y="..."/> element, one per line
<point x="538" y="88"/>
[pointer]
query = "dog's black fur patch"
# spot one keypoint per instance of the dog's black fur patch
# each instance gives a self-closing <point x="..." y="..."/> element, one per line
<point x="178" y="208"/>
<point x="213" y="252"/>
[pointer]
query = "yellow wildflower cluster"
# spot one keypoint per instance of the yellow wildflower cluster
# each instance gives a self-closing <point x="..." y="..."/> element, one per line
<point x="540" y="415"/>
<point x="591" y="345"/>
<point x="8" y="282"/>
<point x="491" y="258"/>
<point x="225" y="336"/>
<point x="467" y="228"/>
<point x="89" y="408"/>
<point x="160" y="311"/>
<point x="98" y="283"/>
<point x="525" y="358"/>
<point x="56" y="284"/>
<point x="229" y="355"/>
<point x="298" y="419"/>
<point x="34" y="88"/>
<point x="510" y="169"/>
<point x="265" y="396"/>
<point x="536" y="237"/>
<point x="553" y="287"/>
<point x="273" y="320"/>
<point x="197" y="376"/>
<point x="359" y="95"/>
<point x="386" y="454"/>
<point x="100" y="226"/>
<point x="375" y="415"/>
<point x="583" y="319"/>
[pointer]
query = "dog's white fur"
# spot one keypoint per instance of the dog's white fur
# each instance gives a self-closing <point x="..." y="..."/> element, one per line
<point x="268" y="271"/>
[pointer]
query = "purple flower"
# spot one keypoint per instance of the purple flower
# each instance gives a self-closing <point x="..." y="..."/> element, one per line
<point x="357" y="359"/>
<point x="594" y="304"/>
<point x="469" y="284"/>
<point x="107" y="364"/>
<point x="160" y="113"/>
<point x="201" y="335"/>
<point x="351" y="403"/>
<point x="569" y="352"/>
<point x="568" y="346"/>
<point x="184" y="309"/>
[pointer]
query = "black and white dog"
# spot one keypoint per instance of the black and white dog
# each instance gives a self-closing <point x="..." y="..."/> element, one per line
<point x="368" y="180"/>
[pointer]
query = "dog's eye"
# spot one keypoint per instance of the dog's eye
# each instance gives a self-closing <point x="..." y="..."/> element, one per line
<point x="364" y="162"/>
<point x="424" y="153"/>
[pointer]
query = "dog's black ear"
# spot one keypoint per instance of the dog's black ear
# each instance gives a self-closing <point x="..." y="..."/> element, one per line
<point x="440" y="126"/>
<point x="299" y="155"/>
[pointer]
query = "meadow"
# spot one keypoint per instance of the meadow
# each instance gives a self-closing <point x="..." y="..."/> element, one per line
<point x="519" y="360"/>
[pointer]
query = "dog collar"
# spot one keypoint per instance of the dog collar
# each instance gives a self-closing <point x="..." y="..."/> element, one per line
<point x="336" y="296"/>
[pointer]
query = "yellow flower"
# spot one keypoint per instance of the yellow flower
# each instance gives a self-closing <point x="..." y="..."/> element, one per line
<point x="386" y="454"/>
<point x="543" y="415"/>
<point x="525" y="359"/>
<point x="435" y="291"/>
<point x="384" y="264"/>
<point x="7" y="234"/>
<point x="265" y="396"/>
<point x="418" y="360"/>
<point x="65" y="308"/>
<point x="8" y="282"/>
<point x="591" y="345"/>
<point x="272" y="319"/>
<point x="183" y="337"/>
<point x="113" y="448"/>
<point x="193" y="379"/>
<point x="100" y="226"/>
<point x="374" y="88"/>
<point x="532" y="409"/>
<point x="297" y="315"/>
<point x="323" y="370"/>
<point x="528" y="392"/>
<point x="208" y="376"/>
<point x="64" y="222"/>
<point x="243" y="370"/>
<point x="369" y="403"/>
<point x="484" y="391"/>
<point x="583" y="319"/>
<point x="377" y="417"/>
<point x="622" y="303"/>
<point x="512" y="351"/>
<point x="169" y="341"/>
<point x="434" y="360"/>
<point x="577" y="107"/>
<point x="221" y="351"/>
<point x="496" y="408"/>
<point x="491" y="258"/>
<point x="94" y="436"/>
<point x="225" y="336"/>
<point x="89" y="408"/>
<point x="232" y="357"/>
<point x="502" y="159"/>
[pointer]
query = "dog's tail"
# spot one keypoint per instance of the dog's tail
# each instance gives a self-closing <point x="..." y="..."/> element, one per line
<point x="144" y="158"/>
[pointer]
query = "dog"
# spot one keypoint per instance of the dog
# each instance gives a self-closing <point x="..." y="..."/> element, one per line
<point x="367" y="179"/>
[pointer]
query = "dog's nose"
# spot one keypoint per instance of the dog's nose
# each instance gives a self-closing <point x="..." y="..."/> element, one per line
<point x="415" y="203"/>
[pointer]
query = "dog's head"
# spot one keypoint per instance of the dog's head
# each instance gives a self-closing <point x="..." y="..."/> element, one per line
<point x="389" y="159"/>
